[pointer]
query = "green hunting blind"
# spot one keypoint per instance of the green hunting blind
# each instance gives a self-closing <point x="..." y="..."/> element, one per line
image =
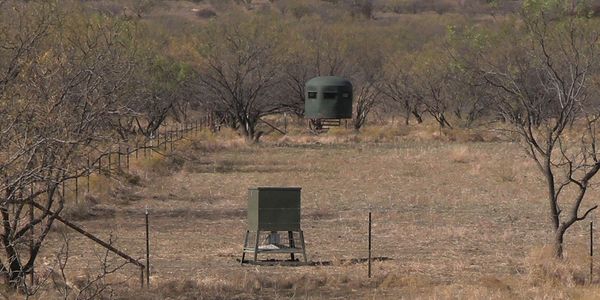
<point x="274" y="212"/>
<point x="328" y="98"/>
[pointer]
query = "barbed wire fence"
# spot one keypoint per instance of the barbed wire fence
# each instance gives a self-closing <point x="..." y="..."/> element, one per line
<point x="349" y="237"/>
<point x="180" y="249"/>
<point x="112" y="162"/>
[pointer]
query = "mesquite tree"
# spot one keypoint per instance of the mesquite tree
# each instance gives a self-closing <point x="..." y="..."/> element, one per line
<point x="61" y="76"/>
<point x="314" y="49"/>
<point x="240" y="68"/>
<point x="399" y="86"/>
<point x="434" y="85"/>
<point x="544" y="75"/>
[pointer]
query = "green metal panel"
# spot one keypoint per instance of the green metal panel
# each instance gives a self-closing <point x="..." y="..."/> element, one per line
<point x="328" y="97"/>
<point x="274" y="209"/>
<point x="252" y="209"/>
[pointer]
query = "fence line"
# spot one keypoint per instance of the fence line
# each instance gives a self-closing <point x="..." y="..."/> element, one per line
<point x="123" y="159"/>
<point x="167" y="139"/>
<point x="357" y="255"/>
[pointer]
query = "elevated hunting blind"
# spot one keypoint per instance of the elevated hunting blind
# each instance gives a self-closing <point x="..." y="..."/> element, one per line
<point x="328" y="97"/>
<point x="273" y="211"/>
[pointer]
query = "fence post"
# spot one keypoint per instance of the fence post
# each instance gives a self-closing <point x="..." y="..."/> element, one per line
<point x="142" y="276"/>
<point x="32" y="232"/>
<point x="166" y="140"/>
<point x="100" y="164"/>
<point x="591" y="251"/>
<point x="147" y="250"/>
<point x="89" y="171"/>
<point x="127" y="159"/>
<point x="64" y="194"/>
<point x="76" y="190"/>
<point x="369" y="244"/>
<point x="109" y="162"/>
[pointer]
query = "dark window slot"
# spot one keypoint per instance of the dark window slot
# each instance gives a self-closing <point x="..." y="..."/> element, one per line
<point x="312" y="95"/>
<point x="329" y="95"/>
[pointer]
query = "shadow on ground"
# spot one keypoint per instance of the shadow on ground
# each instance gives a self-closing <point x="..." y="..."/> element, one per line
<point x="297" y="263"/>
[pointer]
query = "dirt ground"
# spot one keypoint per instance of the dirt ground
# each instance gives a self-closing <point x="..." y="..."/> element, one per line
<point x="451" y="219"/>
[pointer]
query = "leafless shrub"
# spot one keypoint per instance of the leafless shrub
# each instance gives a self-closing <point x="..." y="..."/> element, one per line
<point x="93" y="284"/>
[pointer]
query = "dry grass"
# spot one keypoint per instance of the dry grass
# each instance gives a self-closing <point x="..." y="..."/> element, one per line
<point x="456" y="219"/>
<point x="460" y="154"/>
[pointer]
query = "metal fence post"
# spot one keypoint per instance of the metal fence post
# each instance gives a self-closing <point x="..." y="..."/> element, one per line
<point x="166" y="141"/>
<point x="369" y="244"/>
<point x="147" y="250"/>
<point x="77" y="190"/>
<point x="591" y="251"/>
<point x="64" y="194"/>
<point x="89" y="171"/>
<point x="109" y="162"/>
<point x="32" y="232"/>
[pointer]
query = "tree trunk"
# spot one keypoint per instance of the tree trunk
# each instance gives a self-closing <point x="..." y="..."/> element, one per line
<point x="358" y="123"/>
<point x="407" y="111"/>
<point x="417" y="116"/>
<point x="558" y="243"/>
<point x="249" y="130"/>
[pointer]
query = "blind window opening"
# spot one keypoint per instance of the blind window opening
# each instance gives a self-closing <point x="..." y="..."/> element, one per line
<point x="329" y="95"/>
